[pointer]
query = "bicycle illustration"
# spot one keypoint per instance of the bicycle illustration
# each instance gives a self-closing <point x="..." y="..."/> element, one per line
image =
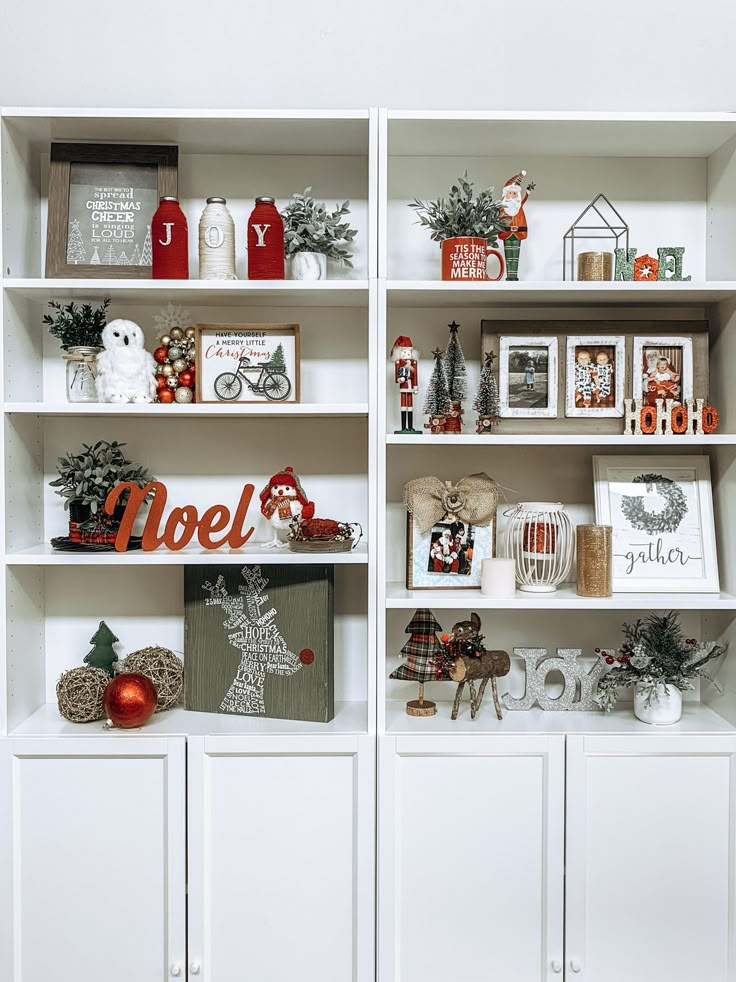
<point x="275" y="385"/>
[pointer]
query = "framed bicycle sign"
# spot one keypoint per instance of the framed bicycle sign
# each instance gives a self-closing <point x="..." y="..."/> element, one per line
<point x="247" y="363"/>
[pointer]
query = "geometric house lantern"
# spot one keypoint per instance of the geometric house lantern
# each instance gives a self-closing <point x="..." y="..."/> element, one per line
<point x="608" y="225"/>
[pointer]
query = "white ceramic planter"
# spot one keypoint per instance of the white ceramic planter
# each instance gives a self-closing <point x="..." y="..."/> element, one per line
<point x="308" y="266"/>
<point x="662" y="711"/>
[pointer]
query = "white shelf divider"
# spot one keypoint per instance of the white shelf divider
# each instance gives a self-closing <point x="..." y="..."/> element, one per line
<point x="45" y="555"/>
<point x="196" y="411"/>
<point x="592" y="440"/>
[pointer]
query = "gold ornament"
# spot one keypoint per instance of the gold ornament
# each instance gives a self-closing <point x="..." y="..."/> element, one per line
<point x="183" y="394"/>
<point x="176" y="334"/>
<point x="165" y="340"/>
<point x="166" y="370"/>
<point x="189" y="332"/>
<point x="191" y="355"/>
<point x="179" y="365"/>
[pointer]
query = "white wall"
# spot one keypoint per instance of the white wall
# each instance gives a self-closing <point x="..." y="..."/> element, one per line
<point x="571" y="54"/>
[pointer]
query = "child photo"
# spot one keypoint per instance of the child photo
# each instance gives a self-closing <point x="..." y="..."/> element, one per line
<point x="663" y="369"/>
<point x="595" y="369"/>
<point x="451" y="549"/>
<point x="528" y="376"/>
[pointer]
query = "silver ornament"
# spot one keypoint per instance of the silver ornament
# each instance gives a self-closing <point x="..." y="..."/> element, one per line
<point x="189" y="332"/>
<point x="179" y="365"/>
<point x="539" y="665"/>
<point x="165" y="341"/>
<point x="175" y="352"/>
<point x="191" y="355"/>
<point x="176" y="333"/>
<point x="173" y="382"/>
<point x="183" y="394"/>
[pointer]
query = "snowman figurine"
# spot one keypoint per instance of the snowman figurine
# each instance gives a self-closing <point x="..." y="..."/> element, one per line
<point x="282" y="500"/>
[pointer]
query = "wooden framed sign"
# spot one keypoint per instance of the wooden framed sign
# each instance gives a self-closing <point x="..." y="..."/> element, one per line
<point x="102" y="198"/>
<point x="247" y="362"/>
<point x="258" y="640"/>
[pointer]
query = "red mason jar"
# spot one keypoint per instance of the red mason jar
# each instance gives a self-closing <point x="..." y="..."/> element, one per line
<point x="170" y="241"/>
<point x="265" y="242"/>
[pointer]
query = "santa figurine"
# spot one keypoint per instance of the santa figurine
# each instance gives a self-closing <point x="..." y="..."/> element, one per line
<point x="282" y="500"/>
<point x="513" y="200"/>
<point x="405" y="357"/>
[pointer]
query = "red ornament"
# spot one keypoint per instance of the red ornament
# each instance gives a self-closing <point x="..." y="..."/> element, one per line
<point x="160" y="382"/>
<point x="186" y="378"/>
<point x="265" y="242"/>
<point x="170" y="242"/>
<point x="129" y="700"/>
<point x="306" y="656"/>
<point x="161" y="355"/>
<point x="165" y="395"/>
<point x="609" y="660"/>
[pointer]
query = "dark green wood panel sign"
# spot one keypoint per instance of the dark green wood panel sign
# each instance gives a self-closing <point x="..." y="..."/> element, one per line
<point x="258" y="641"/>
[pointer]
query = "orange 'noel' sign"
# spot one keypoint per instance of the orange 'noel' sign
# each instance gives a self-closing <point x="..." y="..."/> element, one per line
<point x="182" y="523"/>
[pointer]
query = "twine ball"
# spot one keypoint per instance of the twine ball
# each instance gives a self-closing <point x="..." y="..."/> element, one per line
<point x="163" y="668"/>
<point x="79" y="693"/>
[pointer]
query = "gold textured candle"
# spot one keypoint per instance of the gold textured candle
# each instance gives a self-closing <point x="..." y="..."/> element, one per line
<point x="595" y="266"/>
<point x="595" y="560"/>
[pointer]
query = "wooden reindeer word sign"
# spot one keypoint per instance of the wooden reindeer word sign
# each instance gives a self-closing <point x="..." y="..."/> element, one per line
<point x="578" y="692"/>
<point x="182" y="523"/>
<point x="669" y="417"/>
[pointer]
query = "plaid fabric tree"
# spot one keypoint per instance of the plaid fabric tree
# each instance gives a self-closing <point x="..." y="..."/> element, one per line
<point x="423" y="652"/>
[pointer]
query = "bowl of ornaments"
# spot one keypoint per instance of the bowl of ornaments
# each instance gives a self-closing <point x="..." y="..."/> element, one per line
<point x="323" y="535"/>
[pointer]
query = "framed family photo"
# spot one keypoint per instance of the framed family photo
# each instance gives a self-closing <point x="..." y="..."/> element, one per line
<point x="663" y="369"/>
<point x="528" y="376"/>
<point x="247" y="362"/>
<point x="596" y="367"/>
<point x="448" y="556"/>
<point x="661" y="513"/>
<point x="102" y="199"/>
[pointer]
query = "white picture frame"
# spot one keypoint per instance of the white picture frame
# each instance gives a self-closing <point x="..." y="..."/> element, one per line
<point x="423" y="572"/>
<point x="613" y="400"/>
<point x="653" y="342"/>
<point x="649" y="554"/>
<point x="511" y="396"/>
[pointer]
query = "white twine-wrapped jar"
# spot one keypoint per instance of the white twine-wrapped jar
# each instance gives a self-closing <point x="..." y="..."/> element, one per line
<point x="539" y="538"/>
<point x="216" y="242"/>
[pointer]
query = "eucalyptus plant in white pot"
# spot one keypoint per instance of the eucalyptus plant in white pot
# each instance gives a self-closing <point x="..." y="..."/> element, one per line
<point x="312" y="235"/>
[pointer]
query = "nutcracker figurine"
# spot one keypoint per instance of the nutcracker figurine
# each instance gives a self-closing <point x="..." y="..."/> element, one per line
<point x="405" y="374"/>
<point x="512" y="203"/>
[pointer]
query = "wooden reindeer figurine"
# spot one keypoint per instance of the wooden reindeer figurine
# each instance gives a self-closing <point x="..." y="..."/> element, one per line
<point x="470" y="661"/>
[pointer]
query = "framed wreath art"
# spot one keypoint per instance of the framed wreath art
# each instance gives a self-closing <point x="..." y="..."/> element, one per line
<point x="661" y="512"/>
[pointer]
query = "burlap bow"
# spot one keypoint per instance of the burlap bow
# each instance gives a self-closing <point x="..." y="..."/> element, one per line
<point x="472" y="500"/>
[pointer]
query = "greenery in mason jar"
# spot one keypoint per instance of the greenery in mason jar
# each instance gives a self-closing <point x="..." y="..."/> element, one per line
<point x="310" y="227"/>
<point x="655" y="652"/>
<point x="77" y="325"/>
<point x="462" y="214"/>
<point x="88" y="477"/>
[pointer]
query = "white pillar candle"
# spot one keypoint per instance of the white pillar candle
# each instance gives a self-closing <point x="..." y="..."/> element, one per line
<point x="498" y="578"/>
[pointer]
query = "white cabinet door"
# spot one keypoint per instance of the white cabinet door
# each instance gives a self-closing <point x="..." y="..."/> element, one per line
<point x="471" y="858"/>
<point x="281" y="870"/>
<point x="92" y="855"/>
<point x="651" y="843"/>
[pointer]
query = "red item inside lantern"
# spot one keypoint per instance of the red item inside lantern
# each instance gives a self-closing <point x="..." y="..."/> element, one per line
<point x="539" y="537"/>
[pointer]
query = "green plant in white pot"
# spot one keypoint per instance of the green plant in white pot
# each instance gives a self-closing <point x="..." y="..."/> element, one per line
<point x="312" y="235"/>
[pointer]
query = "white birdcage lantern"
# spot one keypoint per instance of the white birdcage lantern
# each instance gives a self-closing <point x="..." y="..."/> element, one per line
<point x="540" y="539"/>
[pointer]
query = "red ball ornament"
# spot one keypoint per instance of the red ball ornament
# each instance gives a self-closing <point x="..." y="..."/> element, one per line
<point x="160" y="381"/>
<point x="186" y="378"/>
<point x="160" y="355"/>
<point x="609" y="660"/>
<point x="165" y="395"/>
<point x="129" y="700"/>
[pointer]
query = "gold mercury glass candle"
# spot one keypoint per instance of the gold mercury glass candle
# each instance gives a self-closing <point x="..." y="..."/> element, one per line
<point x="595" y="266"/>
<point x="595" y="560"/>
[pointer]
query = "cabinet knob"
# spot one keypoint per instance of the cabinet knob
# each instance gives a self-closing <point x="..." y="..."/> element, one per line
<point x="195" y="968"/>
<point x="556" y="966"/>
<point x="575" y="965"/>
<point x="176" y="970"/>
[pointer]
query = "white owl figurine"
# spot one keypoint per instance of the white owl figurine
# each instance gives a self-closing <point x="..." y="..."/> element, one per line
<point x="125" y="370"/>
